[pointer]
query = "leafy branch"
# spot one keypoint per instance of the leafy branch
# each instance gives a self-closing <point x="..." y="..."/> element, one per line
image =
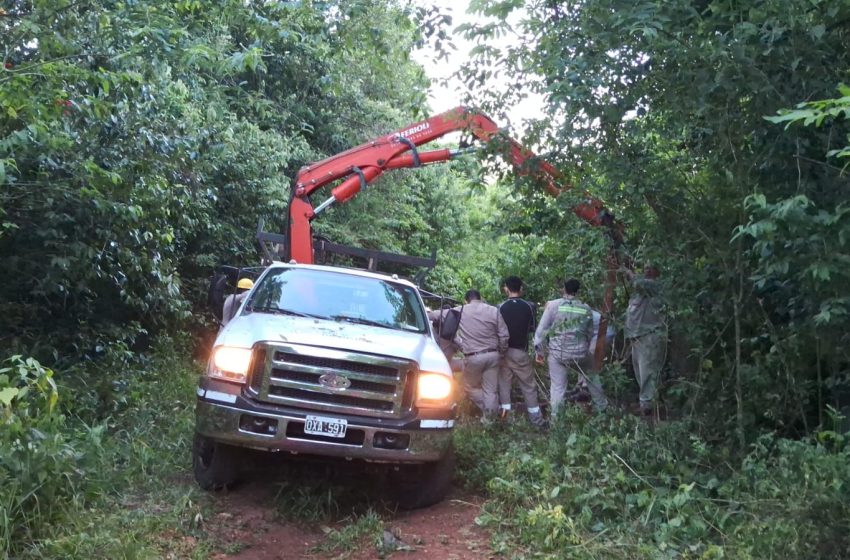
<point x="818" y="112"/>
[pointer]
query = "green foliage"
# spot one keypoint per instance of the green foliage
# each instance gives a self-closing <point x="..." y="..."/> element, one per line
<point x="77" y="490"/>
<point x="800" y="278"/>
<point x="609" y="487"/>
<point x="140" y="144"/>
<point x="817" y="113"/>
<point x="41" y="465"/>
<point x="799" y="245"/>
<point x="798" y="492"/>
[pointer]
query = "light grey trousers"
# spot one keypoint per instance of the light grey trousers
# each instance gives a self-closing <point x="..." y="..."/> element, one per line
<point x="559" y="368"/>
<point x="481" y="381"/>
<point x="648" y="354"/>
<point x="517" y="363"/>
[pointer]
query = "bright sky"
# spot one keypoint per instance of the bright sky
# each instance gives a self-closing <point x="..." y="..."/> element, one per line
<point x="447" y="96"/>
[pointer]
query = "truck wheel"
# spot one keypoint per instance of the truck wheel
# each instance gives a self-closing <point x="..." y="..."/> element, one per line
<point x="215" y="464"/>
<point x="424" y="485"/>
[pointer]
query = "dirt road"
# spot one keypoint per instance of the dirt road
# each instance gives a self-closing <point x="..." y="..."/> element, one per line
<point x="249" y="526"/>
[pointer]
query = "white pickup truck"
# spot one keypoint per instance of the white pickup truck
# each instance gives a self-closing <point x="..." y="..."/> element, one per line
<point x="330" y="362"/>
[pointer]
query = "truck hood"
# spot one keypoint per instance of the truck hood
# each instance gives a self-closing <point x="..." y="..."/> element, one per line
<point x="246" y="329"/>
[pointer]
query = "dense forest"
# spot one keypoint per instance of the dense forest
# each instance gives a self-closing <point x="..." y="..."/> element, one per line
<point x="142" y="141"/>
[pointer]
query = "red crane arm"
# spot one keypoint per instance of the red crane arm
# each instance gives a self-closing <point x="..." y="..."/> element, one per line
<point x="362" y="164"/>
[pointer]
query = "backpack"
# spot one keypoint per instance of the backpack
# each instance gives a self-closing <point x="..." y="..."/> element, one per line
<point x="448" y="325"/>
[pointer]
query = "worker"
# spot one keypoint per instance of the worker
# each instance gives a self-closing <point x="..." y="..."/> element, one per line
<point x="233" y="301"/>
<point x="520" y="316"/>
<point x="646" y="329"/>
<point x="565" y="330"/>
<point x="448" y="346"/>
<point x="482" y="337"/>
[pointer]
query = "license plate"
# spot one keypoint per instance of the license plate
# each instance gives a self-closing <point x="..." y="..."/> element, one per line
<point x="323" y="426"/>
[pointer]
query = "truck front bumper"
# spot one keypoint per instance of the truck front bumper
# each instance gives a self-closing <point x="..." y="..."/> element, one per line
<point x="236" y="420"/>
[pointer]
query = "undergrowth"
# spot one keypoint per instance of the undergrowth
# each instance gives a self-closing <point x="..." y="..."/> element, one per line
<point x="118" y="485"/>
<point x="75" y="484"/>
<point x="611" y="487"/>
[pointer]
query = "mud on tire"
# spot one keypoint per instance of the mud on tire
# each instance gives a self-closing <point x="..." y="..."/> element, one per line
<point x="215" y="464"/>
<point x="417" y="486"/>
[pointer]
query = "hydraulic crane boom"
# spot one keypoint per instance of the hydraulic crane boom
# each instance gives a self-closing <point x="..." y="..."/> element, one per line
<point x="363" y="164"/>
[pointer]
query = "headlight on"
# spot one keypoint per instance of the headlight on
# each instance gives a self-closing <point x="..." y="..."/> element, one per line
<point x="231" y="363"/>
<point x="434" y="390"/>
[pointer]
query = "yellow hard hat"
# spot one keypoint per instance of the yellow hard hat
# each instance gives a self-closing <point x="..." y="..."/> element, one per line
<point x="245" y="284"/>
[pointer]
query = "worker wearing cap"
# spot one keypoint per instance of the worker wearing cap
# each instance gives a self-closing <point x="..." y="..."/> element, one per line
<point x="233" y="301"/>
<point x="482" y="336"/>
<point x="646" y="329"/>
<point x="566" y="329"/>
<point x="520" y="317"/>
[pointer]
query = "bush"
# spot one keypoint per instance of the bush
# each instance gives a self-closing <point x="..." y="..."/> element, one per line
<point x="609" y="487"/>
<point x="66" y="464"/>
<point x="797" y="496"/>
<point x="40" y="467"/>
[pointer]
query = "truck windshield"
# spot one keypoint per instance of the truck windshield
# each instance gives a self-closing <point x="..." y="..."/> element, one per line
<point x="339" y="297"/>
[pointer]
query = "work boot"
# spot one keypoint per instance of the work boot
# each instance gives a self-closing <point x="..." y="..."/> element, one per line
<point x="647" y="414"/>
<point x="537" y="420"/>
<point x="579" y="395"/>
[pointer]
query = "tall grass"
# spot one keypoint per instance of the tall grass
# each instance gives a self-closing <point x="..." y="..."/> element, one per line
<point x="71" y="487"/>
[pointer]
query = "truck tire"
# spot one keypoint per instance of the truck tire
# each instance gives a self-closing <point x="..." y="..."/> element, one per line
<point x="424" y="485"/>
<point x="215" y="464"/>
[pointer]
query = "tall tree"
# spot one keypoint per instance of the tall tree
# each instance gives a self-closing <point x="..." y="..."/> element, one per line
<point x="141" y="141"/>
<point x="659" y="106"/>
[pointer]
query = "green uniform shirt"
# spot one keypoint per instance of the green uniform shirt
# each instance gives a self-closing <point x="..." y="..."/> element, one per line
<point x="645" y="313"/>
<point x="567" y="327"/>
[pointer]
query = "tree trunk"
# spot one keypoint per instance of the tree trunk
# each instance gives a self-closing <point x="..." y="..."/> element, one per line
<point x="737" y="300"/>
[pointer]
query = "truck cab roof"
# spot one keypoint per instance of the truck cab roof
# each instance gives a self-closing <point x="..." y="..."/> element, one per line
<point x="345" y="270"/>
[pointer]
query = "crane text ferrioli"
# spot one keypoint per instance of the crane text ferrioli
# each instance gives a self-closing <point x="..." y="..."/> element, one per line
<point x="414" y="129"/>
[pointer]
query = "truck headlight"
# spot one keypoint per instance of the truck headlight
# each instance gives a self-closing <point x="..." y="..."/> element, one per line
<point x="231" y="363"/>
<point x="434" y="390"/>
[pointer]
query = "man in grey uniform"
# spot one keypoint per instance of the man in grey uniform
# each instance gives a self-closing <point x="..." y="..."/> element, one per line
<point x="647" y="331"/>
<point x="482" y="337"/>
<point x="566" y="329"/>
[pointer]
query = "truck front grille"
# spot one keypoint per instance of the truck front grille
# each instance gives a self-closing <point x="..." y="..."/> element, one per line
<point x="347" y="365"/>
<point x="323" y="379"/>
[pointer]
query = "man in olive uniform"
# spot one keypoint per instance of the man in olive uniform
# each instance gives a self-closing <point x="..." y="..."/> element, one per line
<point x="566" y="328"/>
<point x="647" y="332"/>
